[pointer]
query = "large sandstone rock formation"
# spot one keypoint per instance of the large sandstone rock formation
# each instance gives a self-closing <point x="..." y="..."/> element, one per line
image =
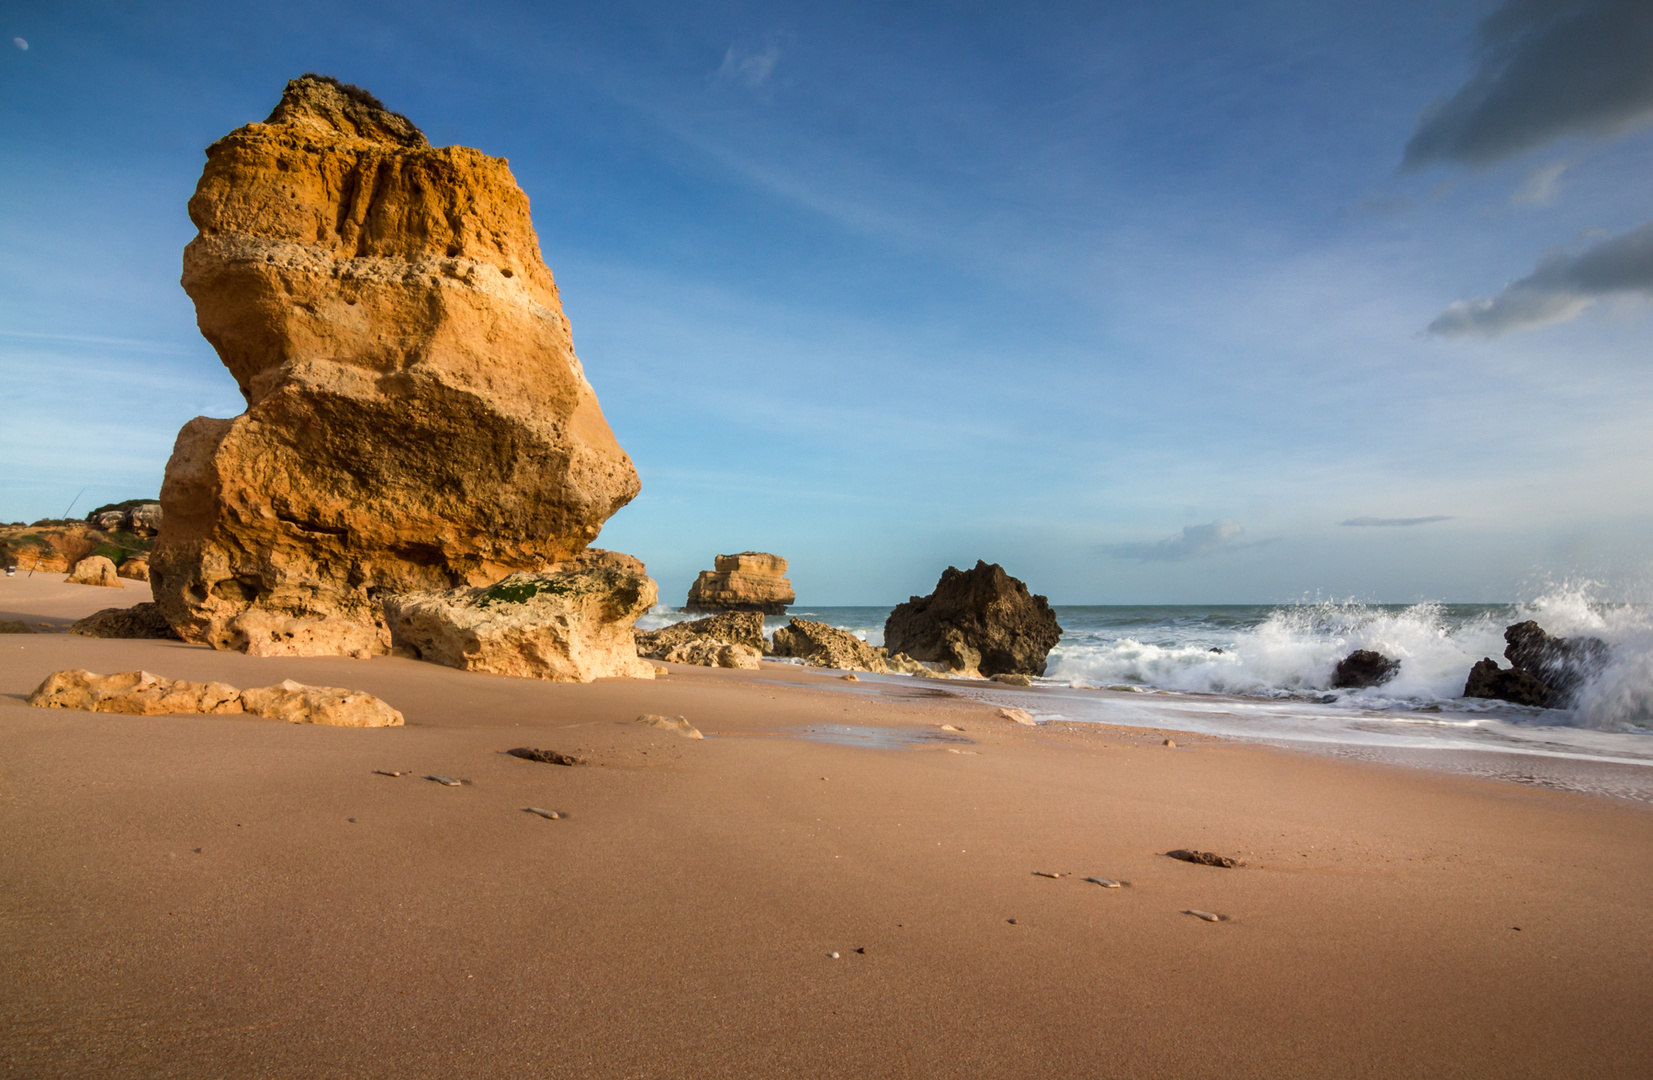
<point x="749" y="581"/>
<point x="979" y="620"/>
<point x="138" y="693"/>
<point x="416" y="417"/>
<point x="570" y="625"/>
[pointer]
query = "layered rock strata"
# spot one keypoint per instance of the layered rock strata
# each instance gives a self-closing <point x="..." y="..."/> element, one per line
<point x="416" y="419"/>
<point x="138" y="693"/>
<point x="979" y="620"/>
<point x="569" y="625"/>
<point x="749" y="581"/>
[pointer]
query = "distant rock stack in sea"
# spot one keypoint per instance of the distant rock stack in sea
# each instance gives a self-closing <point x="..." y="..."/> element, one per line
<point x="417" y="421"/>
<point x="749" y="581"/>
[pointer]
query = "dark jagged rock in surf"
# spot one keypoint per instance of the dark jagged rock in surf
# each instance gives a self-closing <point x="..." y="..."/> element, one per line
<point x="1515" y="685"/>
<point x="1564" y="664"/>
<point x="1363" y="668"/>
<point x="976" y="620"/>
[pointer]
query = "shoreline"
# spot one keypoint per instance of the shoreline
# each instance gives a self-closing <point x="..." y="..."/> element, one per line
<point x="209" y="896"/>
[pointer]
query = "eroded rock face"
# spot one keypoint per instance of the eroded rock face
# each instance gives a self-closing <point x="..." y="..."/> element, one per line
<point x="135" y="568"/>
<point x="138" y="693"/>
<point x="95" y="570"/>
<point x="570" y="625"/>
<point x="980" y="620"/>
<point x="749" y="581"/>
<point x="417" y="419"/>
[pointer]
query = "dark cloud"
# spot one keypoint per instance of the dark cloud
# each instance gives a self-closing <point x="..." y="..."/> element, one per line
<point x="1192" y="541"/>
<point x="1395" y="522"/>
<point x="1546" y="68"/>
<point x="1561" y="288"/>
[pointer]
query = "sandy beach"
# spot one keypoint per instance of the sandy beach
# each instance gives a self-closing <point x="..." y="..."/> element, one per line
<point x="230" y="897"/>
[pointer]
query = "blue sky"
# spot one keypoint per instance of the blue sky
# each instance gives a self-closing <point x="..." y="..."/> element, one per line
<point x="1147" y="302"/>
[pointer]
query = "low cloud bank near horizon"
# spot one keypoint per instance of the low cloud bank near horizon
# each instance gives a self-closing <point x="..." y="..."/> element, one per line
<point x="1560" y="289"/>
<point x="1546" y="68"/>
<point x="1388" y="523"/>
<point x="1191" y="542"/>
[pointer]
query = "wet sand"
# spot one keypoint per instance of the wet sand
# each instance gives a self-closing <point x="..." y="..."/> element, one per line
<point x="190" y="897"/>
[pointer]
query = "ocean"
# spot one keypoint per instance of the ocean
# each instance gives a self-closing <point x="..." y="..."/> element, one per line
<point x="1264" y="672"/>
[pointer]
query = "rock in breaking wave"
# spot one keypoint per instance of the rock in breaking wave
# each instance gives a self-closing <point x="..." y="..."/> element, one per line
<point x="749" y="581"/>
<point x="979" y="620"/>
<point x="1544" y="671"/>
<point x="570" y="625"/>
<point x="138" y="693"/>
<point x="416" y="417"/>
<point x="1363" y="668"/>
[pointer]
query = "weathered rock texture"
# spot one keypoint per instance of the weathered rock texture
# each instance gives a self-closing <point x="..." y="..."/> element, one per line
<point x="139" y="693"/>
<point x="731" y="640"/>
<point x="135" y="568"/>
<point x="1363" y="668"/>
<point x="417" y="419"/>
<point x="571" y="625"/>
<point x="137" y="621"/>
<point x="95" y="570"/>
<point x="1544" y="671"/>
<point x="980" y="620"/>
<point x="749" y="581"/>
<point x="821" y="645"/>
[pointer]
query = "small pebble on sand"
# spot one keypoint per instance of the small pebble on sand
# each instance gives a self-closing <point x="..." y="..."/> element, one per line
<point x="549" y="815"/>
<point x="1105" y="882"/>
<point x="445" y="781"/>
<point x="385" y="772"/>
<point x="1172" y="743"/>
<point x="851" y="677"/>
<point x="1208" y="916"/>
<point x="950" y="727"/>
<point x="1012" y="922"/>
<point x="1045" y="873"/>
<point x="832" y="956"/>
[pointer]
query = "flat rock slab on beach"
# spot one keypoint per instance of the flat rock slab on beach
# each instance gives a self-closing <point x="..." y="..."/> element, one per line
<point x="549" y="757"/>
<point x="1203" y="858"/>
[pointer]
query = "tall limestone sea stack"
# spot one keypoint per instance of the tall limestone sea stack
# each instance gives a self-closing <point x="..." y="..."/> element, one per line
<point x="416" y="418"/>
<point x="749" y="581"/>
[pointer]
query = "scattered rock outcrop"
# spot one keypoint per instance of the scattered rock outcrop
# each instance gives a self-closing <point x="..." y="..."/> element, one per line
<point x="14" y="626"/>
<point x="980" y="620"/>
<point x="139" y="693"/>
<point x="707" y="641"/>
<point x="1363" y="668"/>
<point x="821" y="645"/>
<point x="416" y="421"/>
<point x="53" y="547"/>
<point x="749" y="581"/>
<point x="135" y="516"/>
<point x="1544" y="671"/>
<point x="138" y="621"/>
<point x="570" y="625"/>
<point x="95" y="570"/>
<point x="135" y="568"/>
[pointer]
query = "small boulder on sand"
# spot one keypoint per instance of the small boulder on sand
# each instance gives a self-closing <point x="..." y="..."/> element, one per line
<point x="677" y="725"/>
<point x="138" y="621"/>
<point x="1017" y="716"/>
<point x="95" y="570"/>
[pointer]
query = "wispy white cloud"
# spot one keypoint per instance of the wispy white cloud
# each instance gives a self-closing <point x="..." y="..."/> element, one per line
<point x="1541" y="188"/>
<point x="749" y="68"/>
<point x="1192" y="542"/>
<point x="1560" y="289"/>
<point x="1376" y="522"/>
